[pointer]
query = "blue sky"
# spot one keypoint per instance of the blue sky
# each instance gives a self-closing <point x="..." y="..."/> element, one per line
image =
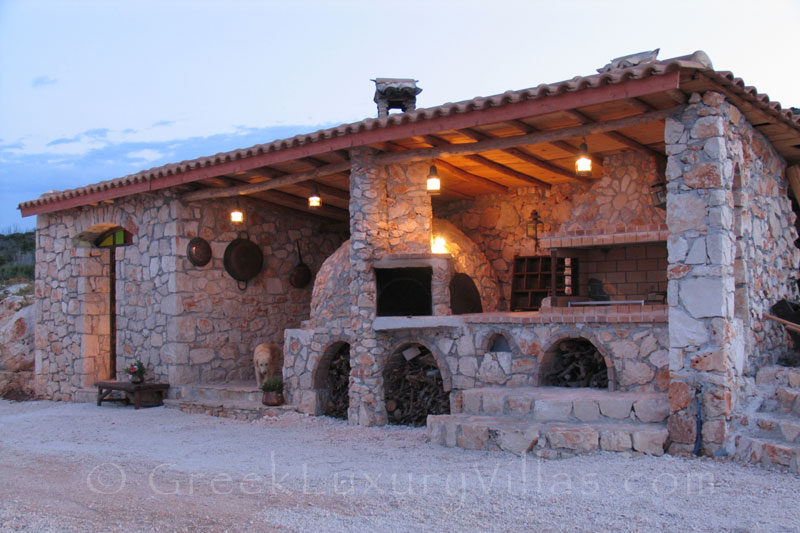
<point x="93" y="90"/>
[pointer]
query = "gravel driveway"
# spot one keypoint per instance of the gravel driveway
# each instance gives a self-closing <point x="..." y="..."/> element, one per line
<point x="78" y="467"/>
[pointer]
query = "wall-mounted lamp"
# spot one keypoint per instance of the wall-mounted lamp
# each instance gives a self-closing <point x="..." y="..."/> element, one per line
<point x="237" y="216"/>
<point x="438" y="245"/>
<point x="658" y="193"/>
<point x="434" y="185"/>
<point x="583" y="165"/>
<point x="314" y="199"/>
<point x="532" y="227"/>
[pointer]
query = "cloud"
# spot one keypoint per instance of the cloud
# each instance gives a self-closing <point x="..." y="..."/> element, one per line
<point x="147" y="155"/>
<point x="97" y="133"/>
<point x="162" y="123"/>
<point x="64" y="140"/>
<point x="43" y="81"/>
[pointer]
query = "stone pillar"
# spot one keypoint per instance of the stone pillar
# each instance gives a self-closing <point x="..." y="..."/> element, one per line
<point x="701" y="245"/>
<point x="390" y="212"/>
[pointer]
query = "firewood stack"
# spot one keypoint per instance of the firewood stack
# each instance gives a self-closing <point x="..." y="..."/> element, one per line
<point x="414" y="388"/>
<point x="337" y="382"/>
<point x="578" y="364"/>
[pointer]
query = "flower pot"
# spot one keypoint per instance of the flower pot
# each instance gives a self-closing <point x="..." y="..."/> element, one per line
<point x="272" y="398"/>
<point x="136" y="379"/>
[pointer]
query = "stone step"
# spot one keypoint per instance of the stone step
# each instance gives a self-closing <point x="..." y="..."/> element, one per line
<point x="779" y="375"/>
<point x="239" y="410"/>
<point x="558" y="404"/>
<point x="767" y="451"/>
<point x="777" y="426"/>
<point x="779" y="399"/>
<point x="229" y="391"/>
<point x="545" y="439"/>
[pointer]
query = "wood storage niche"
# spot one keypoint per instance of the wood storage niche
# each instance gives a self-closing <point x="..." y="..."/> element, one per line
<point x="413" y="387"/>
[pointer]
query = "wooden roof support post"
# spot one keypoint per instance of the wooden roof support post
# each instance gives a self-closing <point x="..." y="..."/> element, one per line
<point x="793" y="175"/>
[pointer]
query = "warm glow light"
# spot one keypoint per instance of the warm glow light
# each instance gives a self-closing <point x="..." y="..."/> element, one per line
<point x="434" y="183"/>
<point x="438" y="245"/>
<point x="237" y="217"/>
<point x="314" y="199"/>
<point x="583" y="165"/>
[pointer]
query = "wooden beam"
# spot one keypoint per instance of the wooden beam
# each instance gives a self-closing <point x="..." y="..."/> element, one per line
<point x="455" y="150"/>
<point x="524" y="127"/>
<point x="301" y="204"/>
<point x="467" y="176"/>
<point x="793" y="175"/>
<point x="529" y="158"/>
<point x="433" y="140"/>
<point x="617" y="136"/>
<point x="289" y="179"/>
<point x="299" y="213"/>
<point x="678" y="96"/>
<point x="326" y="190"/>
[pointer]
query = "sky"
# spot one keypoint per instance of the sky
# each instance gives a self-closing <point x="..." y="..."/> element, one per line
<point x="94" y="90"/>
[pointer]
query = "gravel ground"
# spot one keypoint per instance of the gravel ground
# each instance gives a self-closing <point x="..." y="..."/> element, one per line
<point x="78" y="467"/>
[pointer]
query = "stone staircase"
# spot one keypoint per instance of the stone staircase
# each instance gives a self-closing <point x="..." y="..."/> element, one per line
<point x="553" y="421"/>
<point x="769" y="432"/>
<point x="234" y="399"/>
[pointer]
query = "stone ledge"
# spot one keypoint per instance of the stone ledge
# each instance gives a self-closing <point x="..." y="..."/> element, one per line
<point x="612" y="314"/>
<point x="390" y="323"/>
<point x="247" y="411"/>
<point x="545" y="440"/>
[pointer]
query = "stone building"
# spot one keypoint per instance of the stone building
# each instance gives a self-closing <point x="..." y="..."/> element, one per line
<point x="659" y="263"/>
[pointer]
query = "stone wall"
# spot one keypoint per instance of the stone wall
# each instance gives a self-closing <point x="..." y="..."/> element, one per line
<point x="185" y="323"/>
<point x="633" y="340"/>
<point x="731" y="227"/>
<point x="618" y="202"/>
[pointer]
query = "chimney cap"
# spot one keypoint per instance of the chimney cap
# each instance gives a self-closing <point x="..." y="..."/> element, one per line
<point x="395" y="93"/>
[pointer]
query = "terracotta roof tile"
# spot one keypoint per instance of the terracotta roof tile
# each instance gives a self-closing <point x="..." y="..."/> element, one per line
<point x="698" y="61"/>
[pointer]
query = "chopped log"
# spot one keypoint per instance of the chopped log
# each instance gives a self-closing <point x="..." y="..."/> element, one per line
<point x="337" y="382"/>
<point x="414" y="389"/>
<point x="578" y="364"/>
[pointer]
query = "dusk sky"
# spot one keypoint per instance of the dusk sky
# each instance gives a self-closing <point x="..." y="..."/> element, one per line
<point x="94" y="90"/>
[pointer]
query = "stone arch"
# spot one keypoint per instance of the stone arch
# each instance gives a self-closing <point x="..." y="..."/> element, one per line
<point x="492" y="336"/>
<point x="441" y="361"/>
<point x="332" y="388"/>
<point x="412" y="387"/>
<point x="547" y="358"/>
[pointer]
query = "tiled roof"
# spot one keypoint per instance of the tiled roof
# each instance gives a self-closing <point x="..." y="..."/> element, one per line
<point x="698" y="61"/>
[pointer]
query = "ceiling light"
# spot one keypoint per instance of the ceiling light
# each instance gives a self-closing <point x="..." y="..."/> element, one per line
<point x="583" y="165"/>
<point x="313" y="199"/>
<point x="434" y="183"/>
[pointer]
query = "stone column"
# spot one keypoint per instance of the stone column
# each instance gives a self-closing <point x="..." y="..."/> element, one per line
<point x="701" y="245"/>
<point x="390" y="212"/>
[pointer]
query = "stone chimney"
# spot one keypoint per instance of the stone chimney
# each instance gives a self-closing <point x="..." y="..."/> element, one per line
<point x="395" y="93"/>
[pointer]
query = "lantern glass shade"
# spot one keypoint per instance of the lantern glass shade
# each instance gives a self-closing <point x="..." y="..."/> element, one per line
<point x="434" y="184"/>
<point x="314" y="199"/>
<point x="583" y="165"/>
<point x="237" y="216"/>
<point x="658" y="193"/>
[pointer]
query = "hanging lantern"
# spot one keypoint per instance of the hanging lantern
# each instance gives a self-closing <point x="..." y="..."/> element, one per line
<point x="434" y="185"/>
<point x="583" y="165"/>
<point x="314" y="199"/>
<point x="658" y="193"/>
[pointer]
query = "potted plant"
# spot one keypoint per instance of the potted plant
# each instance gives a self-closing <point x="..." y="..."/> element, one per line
<point x="135" y="371"/>
<point x="273" y="391"/>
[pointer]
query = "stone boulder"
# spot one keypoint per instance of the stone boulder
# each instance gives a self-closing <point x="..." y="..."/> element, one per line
<point x="16" y="342"/>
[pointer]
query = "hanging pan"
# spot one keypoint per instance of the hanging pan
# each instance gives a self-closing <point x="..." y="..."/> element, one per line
<point x="243" y="260"/>
<point x="301" y="274"/>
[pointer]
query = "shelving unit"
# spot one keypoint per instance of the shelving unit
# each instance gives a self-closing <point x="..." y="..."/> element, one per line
<point x="536" y="278"/>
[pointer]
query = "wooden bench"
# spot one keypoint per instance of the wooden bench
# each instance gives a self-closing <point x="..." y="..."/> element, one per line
<point x="133" y="393"/>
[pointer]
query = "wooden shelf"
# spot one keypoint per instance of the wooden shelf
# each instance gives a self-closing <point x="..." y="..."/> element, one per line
<point x="535" y="277"/>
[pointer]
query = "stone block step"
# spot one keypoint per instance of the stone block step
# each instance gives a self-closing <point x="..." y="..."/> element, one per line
<point x="235" y="391"/>
<point x="766" y="451"/>
<point x="558" y="404"/>
<point x="779" y="375"/>
<point x="239" y="410"/>
<point x="545" y="439"/>
<point x="780" y="399"/>
<point x="780" y="427"/>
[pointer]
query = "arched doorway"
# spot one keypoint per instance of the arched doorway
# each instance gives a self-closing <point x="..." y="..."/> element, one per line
<point x="413" y="386"/>
<point x="333" y="381"/>
<point x="99" y="299"/>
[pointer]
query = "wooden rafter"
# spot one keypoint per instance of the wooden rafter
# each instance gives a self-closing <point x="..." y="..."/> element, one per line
<point x="300" y="213"/>
<point x="617" y="136"/>
<point x="251" y="188"/>
<point x="435" y="141"/>
<point x="522" y="154"/>
<point x="300" y="204"/>
<point x="463" y="174"/>
<point x="500" y="143"/>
